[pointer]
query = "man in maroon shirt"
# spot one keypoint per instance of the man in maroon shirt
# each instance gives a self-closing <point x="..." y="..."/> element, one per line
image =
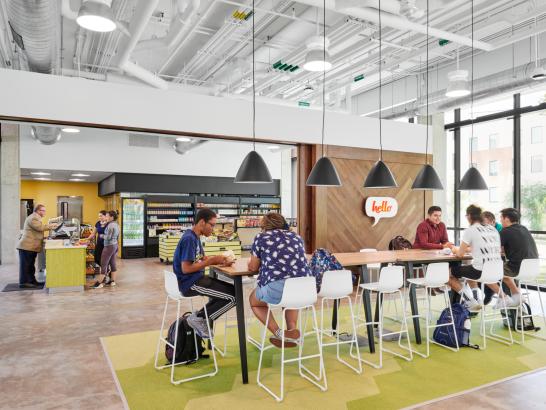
<point x="432" y="233"/>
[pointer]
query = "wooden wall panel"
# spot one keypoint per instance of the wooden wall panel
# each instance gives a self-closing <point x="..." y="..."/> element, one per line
<point x="340" y="223"/>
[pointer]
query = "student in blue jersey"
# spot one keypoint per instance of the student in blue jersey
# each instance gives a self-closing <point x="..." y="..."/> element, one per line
<point x="277" y="254"/>
<point x="189" y="265"/>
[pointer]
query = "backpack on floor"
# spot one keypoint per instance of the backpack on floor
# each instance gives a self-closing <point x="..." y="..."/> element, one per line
<point x="461" y="318"/>
<point x="185" y="346"/>
<point x="322" y="261"/>
<point x="399" y="243"/>
<point x="514" y="318"/>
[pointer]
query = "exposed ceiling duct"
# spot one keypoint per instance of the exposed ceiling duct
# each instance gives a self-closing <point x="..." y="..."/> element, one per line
<point x="182" y="147"/>
<point x="34" y="25"/>
<point x="46" y="135"/>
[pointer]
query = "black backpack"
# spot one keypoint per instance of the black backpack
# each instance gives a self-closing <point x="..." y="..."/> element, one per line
<point x="514" y="318"/>
<point x="399" y="243"/>
<point x="185" y="347"/>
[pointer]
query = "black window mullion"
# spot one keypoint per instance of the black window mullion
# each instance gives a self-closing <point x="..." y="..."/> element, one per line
<point x="457" y="162"/>
<point x="517" y="151"/>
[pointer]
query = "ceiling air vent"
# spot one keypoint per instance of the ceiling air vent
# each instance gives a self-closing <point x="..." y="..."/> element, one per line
<point x="145" y="141"/>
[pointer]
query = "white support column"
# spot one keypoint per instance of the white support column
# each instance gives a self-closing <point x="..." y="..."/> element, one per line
<point x="286" y="183"/>
<point x="439" y="152"/>
<point x="10" y="178"/>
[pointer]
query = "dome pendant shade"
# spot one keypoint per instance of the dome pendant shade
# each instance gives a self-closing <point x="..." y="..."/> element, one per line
<point x="472" y="181"/>
<point x="380" y="176"/>
<point x="427" y="179"/>
<point x="324" y="173"/>
<point x="96" y="16"/>
<point x="253" y="170"/>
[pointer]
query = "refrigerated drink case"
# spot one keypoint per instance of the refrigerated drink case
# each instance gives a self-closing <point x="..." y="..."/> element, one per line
<point x="132" y="231"/>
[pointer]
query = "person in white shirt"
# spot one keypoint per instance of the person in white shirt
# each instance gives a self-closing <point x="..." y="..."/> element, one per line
<point x="483" y="242"/>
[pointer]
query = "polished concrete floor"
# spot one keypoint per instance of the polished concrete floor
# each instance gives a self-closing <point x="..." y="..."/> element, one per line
<point x="51" y="357"/>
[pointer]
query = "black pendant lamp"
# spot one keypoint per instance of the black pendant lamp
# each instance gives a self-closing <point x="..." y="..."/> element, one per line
<point x="380" y="176"/>
<point x="253" y="168"/>
<point x="324" y="172"/>
<point x="427" y="178"/>
<point x="472" y="179"/>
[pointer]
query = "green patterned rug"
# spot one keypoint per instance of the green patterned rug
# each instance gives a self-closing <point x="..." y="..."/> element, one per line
<point x="399" y="384"/>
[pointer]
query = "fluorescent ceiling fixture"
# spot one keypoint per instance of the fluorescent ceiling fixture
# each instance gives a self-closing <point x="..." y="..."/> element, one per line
<point x="70" y="130"/>
<point x="40" y="173"/>
<point x="80" y="175"/>
<point x="388" y="108"/>
<point x="314" y="59"/>
<point x="76" y="179"/>
<point x="538" y="73"/>
<point x="458" y="84"/>
<point x="273" y="147"/>
<point x="183" y="139"/>
<point x="42" y="179"/>
<point x="96" y="15"/>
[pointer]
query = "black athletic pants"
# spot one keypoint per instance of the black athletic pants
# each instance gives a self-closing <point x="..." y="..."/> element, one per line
<point x="221" y="296"/>
<point x="27" y="270"/>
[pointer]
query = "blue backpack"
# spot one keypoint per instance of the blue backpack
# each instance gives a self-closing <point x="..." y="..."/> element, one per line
<point x="444" y="335"/>
<point x="322" y="261"/>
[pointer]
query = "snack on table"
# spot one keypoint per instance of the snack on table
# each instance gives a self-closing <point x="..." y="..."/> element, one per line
<point x="229" y="255"/>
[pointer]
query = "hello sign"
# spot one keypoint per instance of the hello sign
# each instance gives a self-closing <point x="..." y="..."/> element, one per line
<point x="378" y="207"/>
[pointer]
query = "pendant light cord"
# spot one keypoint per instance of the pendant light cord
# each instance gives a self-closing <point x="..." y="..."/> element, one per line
<point x="427" y="119"/>
<point x="253" y="83"/>
<point x="380" y="46"/>
<point x="472" y="87"/>
<point x="323" y="74"/>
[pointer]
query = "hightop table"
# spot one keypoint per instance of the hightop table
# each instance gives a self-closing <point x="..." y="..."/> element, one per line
<point x="239" y="270"/>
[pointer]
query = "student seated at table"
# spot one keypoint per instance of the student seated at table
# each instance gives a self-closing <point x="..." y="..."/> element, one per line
<point x="489" y="219"/>
<point x="483" y="242"/>
<point x="432" y="233"/>
<point x="517" y="244"/>
<point x="189" y="265"/>
<point x="277" y="254"/>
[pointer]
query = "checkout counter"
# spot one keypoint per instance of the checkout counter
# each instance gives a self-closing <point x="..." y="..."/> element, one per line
<point x="65" y="259"/>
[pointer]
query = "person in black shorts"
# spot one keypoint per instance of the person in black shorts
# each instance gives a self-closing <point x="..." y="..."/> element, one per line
<point x="483" y="242"/>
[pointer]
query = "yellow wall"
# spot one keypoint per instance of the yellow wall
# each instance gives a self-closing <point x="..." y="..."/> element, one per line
<point x="46" y="193"/>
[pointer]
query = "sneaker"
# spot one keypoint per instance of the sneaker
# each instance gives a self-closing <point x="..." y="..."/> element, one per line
<point x="477" y="295"/>
<point x="111" y="283"/>
<point x="97" y="285"/>
<point x="291" y="338"/>
<point x="472" y="305"/>
<point x="199" y="325"/>
<point x="504" y="301"/>
<point x="516" y="300"/>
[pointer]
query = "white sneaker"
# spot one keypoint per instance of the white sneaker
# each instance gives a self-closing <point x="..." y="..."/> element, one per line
<point x="473" y="305"/>
<point x="504" y="301"/>
<point x="516" y="300"/>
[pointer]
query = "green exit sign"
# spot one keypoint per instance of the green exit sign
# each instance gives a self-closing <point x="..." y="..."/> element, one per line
<point x="442" y="42"/>
<point x="358" y="78"/>
<point x="303" y="104"/>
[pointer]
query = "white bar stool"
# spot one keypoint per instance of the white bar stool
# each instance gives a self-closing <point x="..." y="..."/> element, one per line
<point x="299" y="294"/>
<point x="371" y="266"/>
<point x="337" y="285"/>
<point x="529" y="272"/>
<point x="436" y="276"/>
<point x="492" y="273"/>
<point x="391" y="279"/>
<point x="173" y="293"/>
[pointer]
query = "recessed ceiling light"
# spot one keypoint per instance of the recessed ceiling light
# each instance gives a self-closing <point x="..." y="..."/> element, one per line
<point x="76" y="179"/>
<point x="183" y="139"/>
<point x="70" y="130"/>
<point x="42" y="179"/>
<point x="273" y="147"/>
<point x="80" y="175"/>
<point x="40" y="173"/>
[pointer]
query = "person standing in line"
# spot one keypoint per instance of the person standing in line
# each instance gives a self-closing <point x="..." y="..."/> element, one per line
<point x="489" y="218"/>
<point x="108" y="256"/>
<point x="97" y="235"/>
<point x="30" y="245"/>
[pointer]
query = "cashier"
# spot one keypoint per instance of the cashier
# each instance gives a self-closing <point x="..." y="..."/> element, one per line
<point x="29" y="245"/>
<point x="432" y="233"/>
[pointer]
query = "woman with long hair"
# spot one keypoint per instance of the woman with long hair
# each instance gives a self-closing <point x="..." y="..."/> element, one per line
<point x="108" y="257"/>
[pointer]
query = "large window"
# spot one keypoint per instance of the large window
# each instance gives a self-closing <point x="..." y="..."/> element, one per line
<point x="489" y="146"/>
<point x="533" y="175"/>
<point x="494" y="164"/>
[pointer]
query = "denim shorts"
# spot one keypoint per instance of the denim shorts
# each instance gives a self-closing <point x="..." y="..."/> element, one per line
<point x="270" y="293"/>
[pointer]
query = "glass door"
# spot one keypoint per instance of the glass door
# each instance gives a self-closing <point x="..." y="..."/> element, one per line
<point x="133" y="222"/>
